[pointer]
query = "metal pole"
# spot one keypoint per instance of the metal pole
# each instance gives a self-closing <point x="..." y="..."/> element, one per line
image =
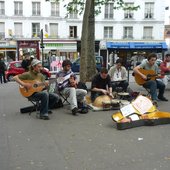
<point x="42" y="46"/>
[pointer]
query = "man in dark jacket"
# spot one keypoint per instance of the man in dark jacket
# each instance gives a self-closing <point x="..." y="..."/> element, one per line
<point x="2" y="70"/>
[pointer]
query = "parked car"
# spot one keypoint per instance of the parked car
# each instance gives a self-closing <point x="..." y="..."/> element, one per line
<point x="76" y="64"/>
<point x="15" y="68"/>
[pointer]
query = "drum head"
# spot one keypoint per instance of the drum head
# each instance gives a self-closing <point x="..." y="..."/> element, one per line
<point x="123" y="94"/>
<point x="100" y="100"/>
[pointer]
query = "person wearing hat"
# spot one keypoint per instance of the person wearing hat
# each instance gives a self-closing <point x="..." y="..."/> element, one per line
<point x="76" y="96"/>
<point x="48" y="100"/>
<point x="165" y="69"/>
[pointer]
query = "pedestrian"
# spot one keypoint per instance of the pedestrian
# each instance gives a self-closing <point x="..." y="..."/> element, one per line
<point x="2" y="70"/>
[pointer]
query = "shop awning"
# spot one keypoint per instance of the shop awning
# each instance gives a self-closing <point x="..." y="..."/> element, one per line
<point x="137" y="45"/>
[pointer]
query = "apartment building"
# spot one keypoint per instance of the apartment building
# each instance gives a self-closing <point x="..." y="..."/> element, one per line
<point x="118" y="32"/>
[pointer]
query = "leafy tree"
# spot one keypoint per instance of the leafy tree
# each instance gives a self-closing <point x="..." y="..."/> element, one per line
<point x="90" y="9"/>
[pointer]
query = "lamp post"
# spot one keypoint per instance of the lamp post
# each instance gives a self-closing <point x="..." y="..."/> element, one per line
<point x="42" y="46"/>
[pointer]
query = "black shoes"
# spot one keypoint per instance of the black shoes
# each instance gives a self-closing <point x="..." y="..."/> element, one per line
<point x="162" y="98"/>
<point x="83" y="110"/>
<point x="75" y="111"/>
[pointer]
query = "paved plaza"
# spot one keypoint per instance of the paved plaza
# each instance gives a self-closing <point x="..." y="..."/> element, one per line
<point x="84" y="142"/>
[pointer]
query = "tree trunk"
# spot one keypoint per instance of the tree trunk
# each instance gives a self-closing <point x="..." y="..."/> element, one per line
<point x="87" y="56"/>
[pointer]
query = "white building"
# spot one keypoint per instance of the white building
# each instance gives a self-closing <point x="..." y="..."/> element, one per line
<point x="121" y="32"/>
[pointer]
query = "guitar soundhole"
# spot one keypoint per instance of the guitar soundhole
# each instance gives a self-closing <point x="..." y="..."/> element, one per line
<point x="35" y="85"/>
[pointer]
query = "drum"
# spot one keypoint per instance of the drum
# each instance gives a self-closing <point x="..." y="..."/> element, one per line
<point x="115" y="103"/>
<point x="123" y="95"/>
<point x="102" y="100"/>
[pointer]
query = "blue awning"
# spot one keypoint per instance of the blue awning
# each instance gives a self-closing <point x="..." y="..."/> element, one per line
<point x="137" y="45"/>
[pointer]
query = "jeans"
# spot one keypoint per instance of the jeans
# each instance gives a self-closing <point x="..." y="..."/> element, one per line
<point x="123" y="84"/>
<point x="47" y="100"/>
<point x="74" y="96"/>
<point x="153" y="85"/>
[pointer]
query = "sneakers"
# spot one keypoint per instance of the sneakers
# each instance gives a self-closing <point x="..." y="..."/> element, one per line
<point x="162" y="98"/>
<point x="75" y="111"/>
<point x="83" y="110"/>
<point x="44" y="117"/>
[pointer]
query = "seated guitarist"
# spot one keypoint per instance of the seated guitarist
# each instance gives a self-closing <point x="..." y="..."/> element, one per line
<point x="47" y="100"/>
<point x="152" y="85"/>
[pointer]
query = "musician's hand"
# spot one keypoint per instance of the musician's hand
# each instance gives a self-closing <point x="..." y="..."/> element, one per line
<point x="46" y="84"/>
<point x="104" y="91"/>
<point x="111" y="95"/>
<point x="27" y="85"/>
<point x="144" y="77"/>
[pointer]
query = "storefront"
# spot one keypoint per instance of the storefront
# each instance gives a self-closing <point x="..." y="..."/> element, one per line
<point x="127" y="50"/>
<point x="8" y="50"/>
<point x="55" y="51"/>
<point x="27" y="46"/>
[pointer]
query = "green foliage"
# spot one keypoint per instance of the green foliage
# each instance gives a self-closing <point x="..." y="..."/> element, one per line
<point x="78" y="6"/>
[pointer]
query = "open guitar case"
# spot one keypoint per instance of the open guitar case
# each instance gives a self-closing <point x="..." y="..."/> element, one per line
<point x="155" y="118"/>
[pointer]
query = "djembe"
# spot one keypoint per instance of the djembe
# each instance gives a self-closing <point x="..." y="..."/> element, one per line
<point x="103" y="101"/>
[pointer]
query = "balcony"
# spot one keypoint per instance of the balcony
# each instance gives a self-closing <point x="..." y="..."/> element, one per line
<point x="147" y="38"/>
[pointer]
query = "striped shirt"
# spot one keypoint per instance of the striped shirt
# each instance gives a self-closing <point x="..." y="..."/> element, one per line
<point x="63" y="79"/>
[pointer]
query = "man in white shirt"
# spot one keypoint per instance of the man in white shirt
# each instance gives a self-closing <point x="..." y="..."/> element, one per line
<point x="118" y="76"/>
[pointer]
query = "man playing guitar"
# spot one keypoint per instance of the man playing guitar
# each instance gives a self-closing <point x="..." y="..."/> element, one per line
<point x="151" y="84"/>
<point x="34" y="75"/>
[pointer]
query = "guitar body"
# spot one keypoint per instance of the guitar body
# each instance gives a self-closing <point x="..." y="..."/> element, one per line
<point x="36" y="87"/>
<point x="149" y="73"/>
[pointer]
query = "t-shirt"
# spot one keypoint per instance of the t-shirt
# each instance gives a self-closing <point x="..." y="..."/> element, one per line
<point x="31" y="75"/>
<point x="145" y="65"/>
<point x="101" y="83"/>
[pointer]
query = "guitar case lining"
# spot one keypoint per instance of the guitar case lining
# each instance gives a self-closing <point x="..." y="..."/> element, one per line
<point x="155" y="118"/>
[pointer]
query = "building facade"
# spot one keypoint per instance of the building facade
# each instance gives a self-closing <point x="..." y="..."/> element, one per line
<point x="122" y="33"/>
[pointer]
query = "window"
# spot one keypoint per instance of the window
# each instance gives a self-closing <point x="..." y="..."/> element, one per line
<point x="108" y="11"/>
<point x="18" y="30"/>
<point x="2" y="30"/>
<point x="128" y="33"/>
<point x="147" y="32"/>
<point x="128" y="13"/>
<point x="18" y="8"/>
<point x="53" y="30"/>
<point x="73" y="31"/>
<point x="149" y="10"/>
<point x="35" y="29"/>
<point x="73" y="14"/>
<point x="2" y="8"/>
<point x="54" y="9"/>
<point x="108" y="32"/>
<point x="36" y="10"/>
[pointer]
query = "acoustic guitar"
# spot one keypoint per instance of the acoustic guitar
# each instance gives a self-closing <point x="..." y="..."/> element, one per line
<point x="150" y="74"/>
<point x="36" y="87"/>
